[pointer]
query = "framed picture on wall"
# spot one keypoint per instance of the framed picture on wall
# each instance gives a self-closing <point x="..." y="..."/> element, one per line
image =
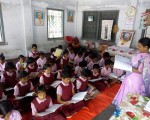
<point x="126" y="37"/>
<point x="39" y="18"/>
<point x="70" y="16"/>
<point x="90" y="18"/>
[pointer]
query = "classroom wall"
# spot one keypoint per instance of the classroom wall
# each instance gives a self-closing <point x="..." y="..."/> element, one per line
<point x="121" y="5"/>
<point x="40" y="32"/>
<point x="20" y="32"/>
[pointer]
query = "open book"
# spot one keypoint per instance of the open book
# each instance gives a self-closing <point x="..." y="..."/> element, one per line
<point x="113" y="75"/>
<point x="56" y="83"/>
<point x="93" y="80"/>
<point x="51" y="109"/>
<point x="27" y="95"/>
<point x="122" y="63"/>
<point x="33" y="75"/>
<point x="23" y="65"/>
<point x="78" y="97"/>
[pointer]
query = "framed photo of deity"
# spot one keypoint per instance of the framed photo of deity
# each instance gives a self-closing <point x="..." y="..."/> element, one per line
<point x="125" y="39"/>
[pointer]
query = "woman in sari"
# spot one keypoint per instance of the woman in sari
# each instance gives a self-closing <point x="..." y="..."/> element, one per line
<point x="139" y="80"/>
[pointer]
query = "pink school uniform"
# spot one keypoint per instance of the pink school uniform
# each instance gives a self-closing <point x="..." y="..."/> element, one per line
<point x="78" y="70"/>
<point x="102" y="62"/>
<point x="46" y="79"/>
<point x="54" y="68"/>
<point x="38" y="106"/>
<point x="34" y="54"/>
<point x="88" y="59"/>
<point x="71" y="57"/>
<point x="98" y="84"/>
<point x="81" y="84"/>
<point x="30" y="69"/>
<point x="64" y="61"/>
<point x="105" y="72"/>
<point x="90" y="65"/>
<point x="2" y="67"/>
<point x="40" y="62"/>
<point x="21" y="89"/>
<point x="15" y="115"/>
<point x="77" y="60"/>
<point x="19" y="66"/>
<point x="9" y="79"/>
<point x="65" y="91"/>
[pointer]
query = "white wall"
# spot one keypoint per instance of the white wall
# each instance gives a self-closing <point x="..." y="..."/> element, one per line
<point x="40" y="32"/>
<point x="20" y="32"/>
<point x="13" y="27"/>
<point x="112" y="5"/>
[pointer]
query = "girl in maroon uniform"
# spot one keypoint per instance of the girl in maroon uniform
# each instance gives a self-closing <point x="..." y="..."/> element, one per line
<point x="34" y="53"/>
<point x="95" y="75"/>
<point x="47" y="79"/>
<point x="23" y="87"/>
<point x="65" y="91"/>
<point x="65" y="59"/>
<point x="32" y="67"/>
<point x="41" y="103"/>
<point x="9" y="77"/>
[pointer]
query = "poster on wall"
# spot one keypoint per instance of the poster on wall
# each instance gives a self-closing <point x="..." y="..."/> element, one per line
<point x="106" y="29"/>
<point x="125" y="39"/>
<point x="39" y="18"/>
<point x="70" y="16"/>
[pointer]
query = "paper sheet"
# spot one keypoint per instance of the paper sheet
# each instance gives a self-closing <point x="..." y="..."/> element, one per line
<point x="113" y="75"/>
<point x="93" y="80"/>
<point x="27" y="95"/>
<point x="123" y="63"/>
<point x="52" y="109"/>
<point x="33" y="75"/>
<point x="56" y="83"/>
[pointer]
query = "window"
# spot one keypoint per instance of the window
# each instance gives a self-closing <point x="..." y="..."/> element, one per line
<point x="2" y="38"/>
<point x="55" y="24"/>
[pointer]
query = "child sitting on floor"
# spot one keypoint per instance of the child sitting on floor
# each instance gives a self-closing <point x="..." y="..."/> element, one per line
<point x="7" y="112"/>
<point x="23" y="87"/>
<point x="21" y="65"/>
<point x="47" y="79"/>
<point x="106" y="71"/>
<point x="78" y="58"/>
<point x="105" y="56"/>
<point x="88" y="58"/>
<point x="95" y="75"/>
<point x="34" y="53"/>
<point x="65" y="91"/>
<point x="2" y="63"/>
<point x="41" y="61"/>
<point x="65" y="59"/>
<point x="94" y="58"/>
<point x="78" y="69"/>
<point x="82" y="81"/>
<point x="9" y="77"/>
<point x="32" y="68"/>
<point x="41" y="103"/>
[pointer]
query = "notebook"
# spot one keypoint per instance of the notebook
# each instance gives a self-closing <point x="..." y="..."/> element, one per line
<point x="56" y="83"/>
<point x="51" y="109"/>
<point x="8" y="89"/>
<point x="78" y="97"/>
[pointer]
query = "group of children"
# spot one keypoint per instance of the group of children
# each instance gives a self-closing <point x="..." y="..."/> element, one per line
<point x="86" y="66"/>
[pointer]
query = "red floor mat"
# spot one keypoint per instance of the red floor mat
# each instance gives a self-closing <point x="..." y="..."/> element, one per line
<point x="93" y="107"/>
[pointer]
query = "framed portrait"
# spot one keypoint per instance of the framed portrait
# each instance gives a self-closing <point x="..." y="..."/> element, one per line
<point x="106" y="29"/>
<point x="39" y="18"/>
<point x="70" y="16"/>
<point x="125" y="39"/>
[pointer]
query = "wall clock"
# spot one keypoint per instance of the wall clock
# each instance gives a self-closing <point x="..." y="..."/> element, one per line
<point x="131" y="11"/>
